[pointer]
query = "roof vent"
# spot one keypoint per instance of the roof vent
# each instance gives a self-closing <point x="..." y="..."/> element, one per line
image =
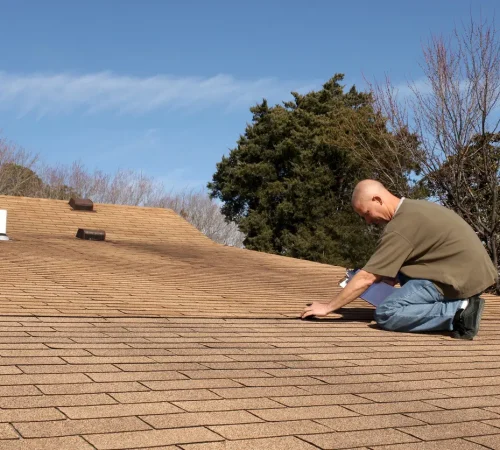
<point x="81" y="204"/>
<point x="3" y="225"/>
<point x="91" y="235"/>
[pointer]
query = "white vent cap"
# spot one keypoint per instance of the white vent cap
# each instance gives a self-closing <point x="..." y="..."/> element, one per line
<point x="3" y="225"/>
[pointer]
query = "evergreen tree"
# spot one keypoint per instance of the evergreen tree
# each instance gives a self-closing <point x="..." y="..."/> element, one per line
<point x="288" y="183"/>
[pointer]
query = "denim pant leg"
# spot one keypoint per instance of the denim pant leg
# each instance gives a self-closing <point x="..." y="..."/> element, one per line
<point x="417" y="306"/>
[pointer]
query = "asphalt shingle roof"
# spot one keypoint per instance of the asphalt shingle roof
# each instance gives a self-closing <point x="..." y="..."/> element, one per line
<point x="159" y="338"/>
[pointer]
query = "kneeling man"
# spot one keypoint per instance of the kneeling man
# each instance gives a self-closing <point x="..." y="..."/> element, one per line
<point x="438" y="259"/>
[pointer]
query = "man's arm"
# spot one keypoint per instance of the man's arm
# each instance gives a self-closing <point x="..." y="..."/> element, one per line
<point x="359" y="284"/>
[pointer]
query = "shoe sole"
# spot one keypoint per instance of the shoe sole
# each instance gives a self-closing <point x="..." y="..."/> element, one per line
<point x="469" y="336"/>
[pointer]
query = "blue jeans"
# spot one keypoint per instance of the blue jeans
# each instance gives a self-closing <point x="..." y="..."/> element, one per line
<point x="416" y="306"/>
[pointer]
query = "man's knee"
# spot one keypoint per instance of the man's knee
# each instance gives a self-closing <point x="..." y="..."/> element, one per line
<point x="386" y="314"/>
<point x="403" y="306"/>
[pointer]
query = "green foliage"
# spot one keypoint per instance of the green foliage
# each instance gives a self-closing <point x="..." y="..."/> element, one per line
<point x="288" y="183"/>
<point x="60" y="192"/>
<point x="18" y="180"/>
<point x="468" y="180"/>
<point x="468" y="183"/>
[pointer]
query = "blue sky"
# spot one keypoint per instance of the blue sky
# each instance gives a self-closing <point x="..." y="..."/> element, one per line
<point x="164" y="86"/>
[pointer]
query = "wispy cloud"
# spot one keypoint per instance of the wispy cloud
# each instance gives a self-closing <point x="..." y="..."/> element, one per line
<point x="181" y="179"/>
<point x="43" y="94"/>
<point x="408" y="88"/>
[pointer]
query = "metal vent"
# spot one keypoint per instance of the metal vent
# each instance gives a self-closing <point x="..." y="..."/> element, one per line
<point x="81" y="204"/>
<point x="91" y="235"/>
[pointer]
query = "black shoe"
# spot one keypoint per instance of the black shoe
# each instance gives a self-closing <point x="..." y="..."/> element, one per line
<point x="466" y="321"/>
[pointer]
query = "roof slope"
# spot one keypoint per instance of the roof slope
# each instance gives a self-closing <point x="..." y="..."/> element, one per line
<point x="152" y="263"/>
<point x="161" y="339"/>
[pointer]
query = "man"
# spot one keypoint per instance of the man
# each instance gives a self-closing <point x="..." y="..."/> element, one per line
<point x="438" y="259"/>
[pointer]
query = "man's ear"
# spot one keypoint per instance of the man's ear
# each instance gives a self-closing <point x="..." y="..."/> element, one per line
<point x="377" y="199"/>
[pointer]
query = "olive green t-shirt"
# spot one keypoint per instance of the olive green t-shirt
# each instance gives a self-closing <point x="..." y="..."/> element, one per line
<point x="428" y="241"/>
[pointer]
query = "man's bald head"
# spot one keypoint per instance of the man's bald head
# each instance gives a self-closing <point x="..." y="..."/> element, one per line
<point x="372" y="201"/>
<point x="367" y="189"/>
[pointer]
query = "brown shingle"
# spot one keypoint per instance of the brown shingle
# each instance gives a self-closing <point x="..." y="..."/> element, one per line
<point x="462" y="415"/>
<point x="197" y="419"/>
<point x="278" y="381"/>
<point x="466" y="402"/>
<point x="259" y="430"/>
<point x="7" y="391"/>
<point x="7" y="432"/>
<point x="136" y="376"/>
<point x="369" y="423"/>
<point x="304" y="412"/>
<point x="30" y="415"/>
<point x="390" y="386"/>
<point x="392" y="408"/>
<point x="44" y="379"/>
<point x="191" y="384"/>
<point x="350" y="439"/>
<point x="164" y="396"/>
<point x="281" y="443"/>
<point x="43" y="401"/>
<point x="63" y="443"/>
<point x="227" y="405"/>
<point x="133" y="409"/>
<point x="447" y="444"/>
<point x="112" y="441"/>
<point x="491" y="441"/>
<point x="66" y="368"/>
<point x="91" y="388"/>
<point x="204" y="374"/>
<point x="449" y="430"/>
<point x="75" y="427"/>
<point x="318" y="400"/>
<point x="249" y="392"/>
<point x="389" y="397"/>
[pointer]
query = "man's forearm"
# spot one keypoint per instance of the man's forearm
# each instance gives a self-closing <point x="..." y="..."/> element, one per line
<point x="359" y="284"/>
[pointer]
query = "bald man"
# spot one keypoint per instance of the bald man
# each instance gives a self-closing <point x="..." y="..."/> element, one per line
<point x="435" y="255"/>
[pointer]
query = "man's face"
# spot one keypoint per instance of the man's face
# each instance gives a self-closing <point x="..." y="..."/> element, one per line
<point x="372" y="210"/>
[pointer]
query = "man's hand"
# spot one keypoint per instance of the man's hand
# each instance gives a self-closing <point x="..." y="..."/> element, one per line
<point x="316" y="309"/>
<point x="359" y="283"/>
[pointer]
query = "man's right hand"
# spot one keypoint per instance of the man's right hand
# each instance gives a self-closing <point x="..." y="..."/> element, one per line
<point x="316" y="309"/>
<point x="359" y="284"/>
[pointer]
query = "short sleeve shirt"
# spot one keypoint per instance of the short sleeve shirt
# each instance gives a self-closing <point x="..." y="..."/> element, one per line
<point x="428" y="241"/>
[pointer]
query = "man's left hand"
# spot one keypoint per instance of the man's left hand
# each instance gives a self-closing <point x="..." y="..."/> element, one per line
<point x="316" y="309"/>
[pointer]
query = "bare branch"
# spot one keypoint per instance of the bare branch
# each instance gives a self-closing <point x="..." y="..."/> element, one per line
<point x="454" y="114"/>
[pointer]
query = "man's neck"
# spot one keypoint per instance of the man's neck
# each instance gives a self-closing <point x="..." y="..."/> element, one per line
<point x="394" y="204"/>
<point x="399" y="204"/>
